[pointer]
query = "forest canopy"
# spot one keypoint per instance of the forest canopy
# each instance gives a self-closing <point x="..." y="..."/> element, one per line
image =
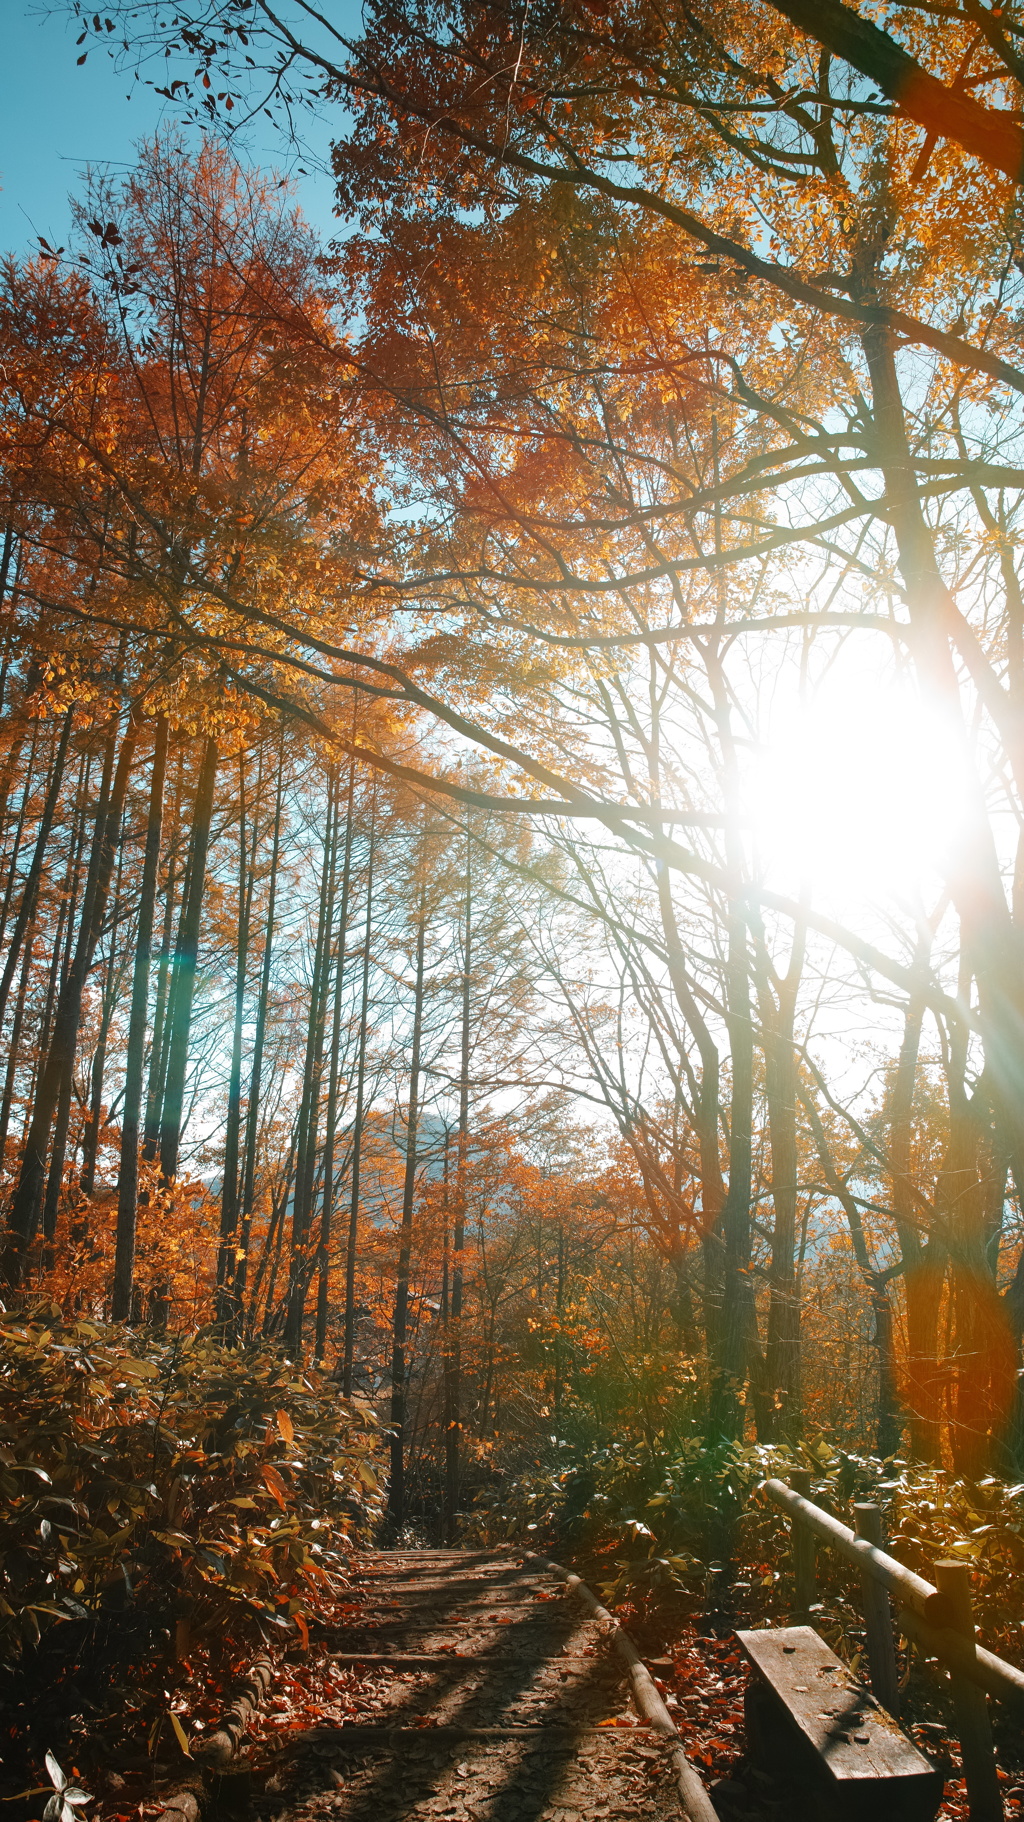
<point x="513" y="728"/>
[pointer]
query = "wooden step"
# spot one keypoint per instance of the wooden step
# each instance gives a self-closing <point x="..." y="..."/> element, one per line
<point x="461" y="1662"/>
<point x="363" y="1734"/>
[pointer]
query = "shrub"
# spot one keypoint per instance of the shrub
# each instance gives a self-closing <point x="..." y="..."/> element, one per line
<point x="158" y="1494"/>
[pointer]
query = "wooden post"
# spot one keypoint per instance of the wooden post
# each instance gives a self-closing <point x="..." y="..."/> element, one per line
<point x="867" y="1519"/>
<point x="970" y="1703"/>
<point x="805" y="1552"/>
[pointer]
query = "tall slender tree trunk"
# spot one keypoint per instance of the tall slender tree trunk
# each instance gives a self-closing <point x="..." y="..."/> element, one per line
<point x="400" y="1321"/>
<point x="993" y="950"/>
<point x="252" y="1120"/>
<point x="887" y="1412"/>
<point x="61" y="1125"/>
<point x="227" y="1257"/>
<point x="924" y="1259"/>
<point x="111" y="984"/>
<point x="14" y="1045"/>
<point x="777" y="1001"/>
<point x="158" y="1050"/>
<point x="334" y="1087"/>
<point x="24" y="1213"/>
<point x="183" y="982"/>
<point x="453" y="1375"/>
<point x="30" y="890"/>
<point x="737" y="1351"/>
<point x="351" y="1251"/>
<point x="20" y="820"/>
<point x="128" y="1180"/>
<point x="302" y="1260"/>
<point x="737" y="1297"/>
<point x="66" y="914"/>
<point x="55" y="1174"/>
<point x="274" y="1247"/>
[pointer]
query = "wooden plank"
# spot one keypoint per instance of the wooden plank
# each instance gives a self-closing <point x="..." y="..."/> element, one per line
<point x="379" y="1615"/>
<point x="478" y="1583"/>
<point x="458" y="1661"/>
<point x="479" y="1600"/>
<point x="856" y="1743"/>
<point x="541" y="1733"/>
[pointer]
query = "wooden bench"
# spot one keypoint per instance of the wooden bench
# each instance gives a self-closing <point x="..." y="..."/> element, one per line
<point x="810" y="1722"/>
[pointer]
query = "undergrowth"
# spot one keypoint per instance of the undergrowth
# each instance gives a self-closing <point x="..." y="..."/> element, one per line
<point x="162" y="1500"/>
<point x="685" y="1524"/>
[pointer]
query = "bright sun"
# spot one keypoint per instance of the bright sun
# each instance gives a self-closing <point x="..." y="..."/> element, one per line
<point x="856" y="788"/>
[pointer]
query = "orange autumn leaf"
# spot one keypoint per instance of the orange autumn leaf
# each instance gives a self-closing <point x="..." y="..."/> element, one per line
<point x="275" y="1485"/>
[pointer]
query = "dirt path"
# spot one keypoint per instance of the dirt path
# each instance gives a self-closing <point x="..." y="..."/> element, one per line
<point x="487" y="1697"/>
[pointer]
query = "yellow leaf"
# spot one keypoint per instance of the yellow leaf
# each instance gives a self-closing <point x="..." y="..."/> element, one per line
<point x="286" y="1427"/>
<point x="180" y="1734"/>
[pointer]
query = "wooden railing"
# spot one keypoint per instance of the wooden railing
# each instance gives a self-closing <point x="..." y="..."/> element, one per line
<point x="936" y="1616"/>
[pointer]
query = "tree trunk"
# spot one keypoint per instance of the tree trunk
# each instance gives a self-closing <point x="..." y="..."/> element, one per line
<point x="399" y="1330"/>
<point x="90" y="1140"/>
<point x="348" y="1353"/>
<point x="15" y="1042"/>
<point x="777" y="1001"/>
<point x="19" y="828"/>
<point x="992" y="949"/>
<point x="924" y="1261"/>
<point x="128" y="1180"/>
<point x="333" y="1089"/>
<point x="888" y="1426"/>
<point x="227" y="1256"/>
<point x="158" y="1049"/>
<point x="183" y="983"/>
<point x="302" y="1261"/>
<point x="252" y="1119"/>
<point x="24" y="1213"/>
<point x="30" y="890"/>
<point x="453" y="1375"/>
<point x="737" y="1336"/>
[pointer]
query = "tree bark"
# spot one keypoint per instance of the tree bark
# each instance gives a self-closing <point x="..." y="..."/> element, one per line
<point x="158" y="1049"/>
<point x="14" y="1042"/>
<point x="24" y="1213"/>
<point x="334" y="1086"/>
<point x="183" y="983"/>
<point x="227" y="1256"/>
<point x="453" y="1352"/>
<point x="777" y="1002"/>
<point x="30" y="890"/>
<point x="252" y="1118"/>
<point x="348" y="1350"/>
<point x="400" y="1320"/>
<point x="128" y="1180"/>
<point x="93" y="1125"/>
<point x="924" y="1261"/>
<point x="301" y="1261"/>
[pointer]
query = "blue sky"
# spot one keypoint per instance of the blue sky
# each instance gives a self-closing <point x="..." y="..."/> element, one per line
<point x="56" y="117"/>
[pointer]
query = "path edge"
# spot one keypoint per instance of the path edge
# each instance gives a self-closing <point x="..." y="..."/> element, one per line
<point x="217" y="1748"/>
<point x="693" y="1796"/>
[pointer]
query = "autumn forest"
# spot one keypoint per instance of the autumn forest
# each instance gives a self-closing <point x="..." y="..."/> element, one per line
<point x="512" y="753"/>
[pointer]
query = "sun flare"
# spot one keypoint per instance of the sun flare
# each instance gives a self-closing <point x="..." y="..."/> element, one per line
<point x="856" y="788"/>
